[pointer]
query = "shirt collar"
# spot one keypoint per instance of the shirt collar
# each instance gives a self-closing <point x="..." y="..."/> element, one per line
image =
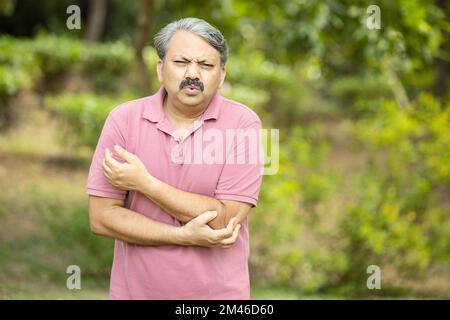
<point x="155" y="113"/>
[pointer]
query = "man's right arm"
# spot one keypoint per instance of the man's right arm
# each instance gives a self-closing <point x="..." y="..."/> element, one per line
<point x="109" y="218"/>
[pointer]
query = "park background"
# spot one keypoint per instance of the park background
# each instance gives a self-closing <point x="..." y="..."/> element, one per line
<point x="364" y="176"/>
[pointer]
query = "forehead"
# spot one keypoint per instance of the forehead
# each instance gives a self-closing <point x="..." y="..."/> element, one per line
<point x="190" y="45"/>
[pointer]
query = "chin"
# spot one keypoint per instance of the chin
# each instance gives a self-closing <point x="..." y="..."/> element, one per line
<point x="191" y="100"/>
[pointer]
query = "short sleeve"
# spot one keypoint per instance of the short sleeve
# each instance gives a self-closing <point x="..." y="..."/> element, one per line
<point x="97" y="184"/>
<point x="241" y="176"/>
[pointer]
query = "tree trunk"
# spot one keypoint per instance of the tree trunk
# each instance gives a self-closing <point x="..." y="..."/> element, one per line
<point x="96" y="20"/>
<point x="143" y="20"/>
<point x="442" y="63"/>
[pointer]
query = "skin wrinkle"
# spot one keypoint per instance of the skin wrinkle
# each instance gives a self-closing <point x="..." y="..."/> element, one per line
<point x="189" y="58"/>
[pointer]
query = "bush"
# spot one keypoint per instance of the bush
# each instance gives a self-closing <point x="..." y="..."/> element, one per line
<point x="46" y="59"/>
<point x="279" y="93"/>
<point x="61" y="54"/>
<point x="397" y="221"/>
<point x="397" y="217"/>
<point x="288" y="247"/>
<point x="83" y="116"/>
<point x="378" y="231"/>
<point x="18" y="71"/>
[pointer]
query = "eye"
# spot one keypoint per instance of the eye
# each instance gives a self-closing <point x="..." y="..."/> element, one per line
<point x="207" y="65"/>
<point x="180" y="62"/>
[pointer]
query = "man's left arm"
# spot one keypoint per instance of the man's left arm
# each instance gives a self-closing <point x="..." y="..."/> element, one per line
<point x="182" y="205"/>
<point x="185" y="206"/>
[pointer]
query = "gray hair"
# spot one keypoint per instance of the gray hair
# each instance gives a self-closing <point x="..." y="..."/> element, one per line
<point x="197" y="26"/>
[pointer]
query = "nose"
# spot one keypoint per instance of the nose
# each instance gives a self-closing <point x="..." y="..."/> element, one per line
<point x="192" y="71"/>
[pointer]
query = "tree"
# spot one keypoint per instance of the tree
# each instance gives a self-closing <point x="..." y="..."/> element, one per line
<point x="141" y="41"/>
<point x="96" y="20"/>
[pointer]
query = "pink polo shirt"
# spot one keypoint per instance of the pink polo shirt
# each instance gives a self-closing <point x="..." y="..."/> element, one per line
<point x="217" y="159"/>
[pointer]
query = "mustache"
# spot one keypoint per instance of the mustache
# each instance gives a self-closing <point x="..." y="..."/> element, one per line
<point x="192" y="82"/>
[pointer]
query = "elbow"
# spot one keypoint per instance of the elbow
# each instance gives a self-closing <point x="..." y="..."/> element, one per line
<point x="95" y="224"/>
<point x="100" y="210"/>
<point x="220" y="221"/>
<point x="96" y="229"/>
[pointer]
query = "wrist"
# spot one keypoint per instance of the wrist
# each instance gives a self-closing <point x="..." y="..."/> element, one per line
<point x="183" y="236"/>
<point x="149" y="185"/>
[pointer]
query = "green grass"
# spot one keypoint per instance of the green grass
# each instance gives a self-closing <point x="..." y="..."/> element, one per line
<point x="91" y="290"/>
<point x="52" y="291"/>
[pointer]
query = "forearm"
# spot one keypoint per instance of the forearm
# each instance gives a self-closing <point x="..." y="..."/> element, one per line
<point x="124" y="224"/>
<point x="183" y="205"/>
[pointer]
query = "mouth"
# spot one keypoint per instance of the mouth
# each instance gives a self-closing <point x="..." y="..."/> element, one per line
<point x="191" y="90"/>
<point x="191" y="86"/>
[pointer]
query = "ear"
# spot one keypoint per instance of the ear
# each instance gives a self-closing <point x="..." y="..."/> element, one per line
<point x="223" y="73"/>
<point x="159" y="68"/>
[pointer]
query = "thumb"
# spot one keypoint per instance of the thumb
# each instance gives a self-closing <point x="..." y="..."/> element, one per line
<point x="124" y="154"/>
<point x="206" y="217"/>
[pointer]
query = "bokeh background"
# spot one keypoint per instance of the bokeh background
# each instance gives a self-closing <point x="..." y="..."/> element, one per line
<point x="364" y="123"/>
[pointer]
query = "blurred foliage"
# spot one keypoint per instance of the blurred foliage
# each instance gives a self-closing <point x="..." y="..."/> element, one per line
<point x="45" y="61"/>
<point x="83" y="116"/>
<point x="286" y="213"/>
<point x="77" y="243"/>
<point x="401" y="216"/>
<point x="53" y="55"/>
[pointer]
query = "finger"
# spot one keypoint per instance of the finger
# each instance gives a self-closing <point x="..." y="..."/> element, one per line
<point x="124" y="154"/>
<point x="231" y="240"/>
<point x="109" y="160"/>
<point x="231" y="223"/>
<point x="107" y="176"/>
<point x="206" y="217"/>
<point x="106" y="168"/>
<point x="226" y="246"/>
<point x="230" y="227"/>
<point x="227" y="231"/>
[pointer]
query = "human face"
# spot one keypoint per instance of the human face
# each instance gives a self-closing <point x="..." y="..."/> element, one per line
<point x="191" y="59"/>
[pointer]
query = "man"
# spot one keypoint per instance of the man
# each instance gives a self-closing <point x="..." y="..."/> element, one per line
<point x="178" y="211"/>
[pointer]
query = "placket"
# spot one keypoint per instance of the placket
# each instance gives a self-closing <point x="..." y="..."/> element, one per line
<point x="177" y="143"/>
